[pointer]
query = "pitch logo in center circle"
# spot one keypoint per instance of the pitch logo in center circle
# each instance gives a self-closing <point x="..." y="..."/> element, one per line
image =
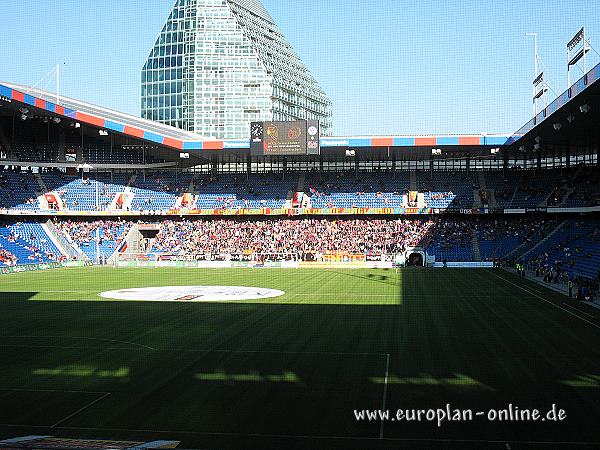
<point x="192" y="293"/>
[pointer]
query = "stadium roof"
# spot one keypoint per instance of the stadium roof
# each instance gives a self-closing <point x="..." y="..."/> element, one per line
<point x="93" y="114"/>
<point x="587" y="84"/>
<point x="183" y="140"/>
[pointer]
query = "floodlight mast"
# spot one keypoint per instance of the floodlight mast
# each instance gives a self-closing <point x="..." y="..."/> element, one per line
<point x="58" y="84"/>
<point x="539" y="83"/>
<point x="535" y="55"/>
<point x="577" y="52"/>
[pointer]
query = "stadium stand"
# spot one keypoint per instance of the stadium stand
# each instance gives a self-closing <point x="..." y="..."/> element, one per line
<point x="159" y="190"/>
<point x="107" y="234"/>
<point x="502" y="236"/>
<point x="445" y="189"/>
<point x="504" y="185"/>
<point x="29" y="152"/>
<point x="82" y="176"/>
<point x="447" y="238"/>
<point x="274" y="236"/>
<point x="28" y="243"/>
<point x="18" y="190"/>
<point x="347" y="190"/>
<point x="574" y="249"/>
<point x="585" y="188"/>
<point x="238" y="191"/>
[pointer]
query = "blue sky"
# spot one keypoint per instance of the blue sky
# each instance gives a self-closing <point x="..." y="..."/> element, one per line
<point x="389" y="66"/>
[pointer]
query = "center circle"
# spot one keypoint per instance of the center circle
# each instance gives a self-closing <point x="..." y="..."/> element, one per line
<point x="192" y="293"/>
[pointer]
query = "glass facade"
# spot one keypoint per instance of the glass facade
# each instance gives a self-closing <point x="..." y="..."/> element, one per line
<point x="218" y="65"/>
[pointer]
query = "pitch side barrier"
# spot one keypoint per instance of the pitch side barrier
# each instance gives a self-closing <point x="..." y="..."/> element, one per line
<point x="342" y="260"/>
<point x="297" y="212"/>
<point x="464" y="265"/>
<point x="288" y="264"/>
<point x="250" y="265"/>
<point x="42" y="266"/>
<point x="255" y="260"/>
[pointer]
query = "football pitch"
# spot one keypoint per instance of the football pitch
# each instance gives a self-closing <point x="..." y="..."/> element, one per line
<point x="292" y="371"/>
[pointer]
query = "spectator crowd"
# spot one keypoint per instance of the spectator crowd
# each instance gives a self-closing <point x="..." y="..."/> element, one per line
<point x="7" y="258"/>
<point x="111" y="232"/>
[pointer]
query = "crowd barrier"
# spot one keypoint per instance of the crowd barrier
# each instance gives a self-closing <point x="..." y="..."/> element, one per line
<point x="255" y="265"/>
<point x="41" y="266"/>
<point x="465" y="264"/>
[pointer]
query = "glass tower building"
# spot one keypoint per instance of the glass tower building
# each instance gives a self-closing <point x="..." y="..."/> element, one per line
<point x="218" y="65"/>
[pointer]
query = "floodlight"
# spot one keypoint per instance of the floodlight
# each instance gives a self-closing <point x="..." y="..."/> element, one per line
<point x="570" y="118"/>
<point x="557" y="126"/>
<point x="584" y="108"/>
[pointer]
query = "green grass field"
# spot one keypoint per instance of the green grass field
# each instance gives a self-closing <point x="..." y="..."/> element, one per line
<point x="289" y="372"/>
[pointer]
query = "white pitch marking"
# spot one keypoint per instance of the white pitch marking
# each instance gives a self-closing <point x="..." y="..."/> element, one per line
<point x="580" y="310"/>
<point x="80" y="337"/>
<point x="192" y="350"/>
<point x="385" y="388"/>
<point x="272" y="352"/>
<point x="106" y="394"/>
<point x="51" y="390"/>
<point x="64" y="347"/>
<point x="547" y="301"/>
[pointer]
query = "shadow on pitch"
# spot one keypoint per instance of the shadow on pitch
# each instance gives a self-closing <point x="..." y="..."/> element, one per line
<point x="16" y="296"/>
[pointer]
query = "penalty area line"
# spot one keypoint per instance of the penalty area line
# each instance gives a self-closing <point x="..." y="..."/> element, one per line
<point x="135" y="344"/>
<point x="70" y="347"/>
<point x="385" y="389"/>
<point x="61" y="391"/>
<point x="271" y="352"/>
<point x="70" y="416"/>
<point x="192" y="350"/>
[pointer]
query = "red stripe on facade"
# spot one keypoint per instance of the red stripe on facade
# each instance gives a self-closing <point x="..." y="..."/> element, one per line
<point x="90" y="119"/>
<point x="425" y="141"/>
<point x="382" y="142"/>
<point x="19" y="96"/>
<point x="173" y="143"/>
<point x="212" y="145"/>
<point x="134" y="132"/>
<point x="466" y="140"/>
<point x="39" y="103"/>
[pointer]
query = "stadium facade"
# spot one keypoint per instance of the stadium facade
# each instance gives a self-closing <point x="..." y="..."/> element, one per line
<point x="219" y="65"/>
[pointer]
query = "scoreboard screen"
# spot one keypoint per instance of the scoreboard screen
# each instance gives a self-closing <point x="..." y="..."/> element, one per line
<point x="285" y="138"/>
